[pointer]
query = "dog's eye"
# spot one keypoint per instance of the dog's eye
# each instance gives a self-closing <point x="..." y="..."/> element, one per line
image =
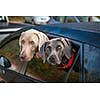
<point x="48" y="48"/>
<point x="58" y="47"/>
<point x="31" y="42"/>
<point x="22" y="41"/>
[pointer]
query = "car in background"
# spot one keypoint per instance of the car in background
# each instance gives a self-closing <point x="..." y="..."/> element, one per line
<point x="78" y="19"/>
<point x="37" y="20"/>
<point x="4" y="19"/>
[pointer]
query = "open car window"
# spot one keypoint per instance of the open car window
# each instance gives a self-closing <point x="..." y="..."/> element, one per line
<point x="35" y="68"/>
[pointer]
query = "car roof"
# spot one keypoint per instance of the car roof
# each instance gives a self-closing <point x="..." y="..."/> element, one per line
<point x="11" y="25"/>
<point x="84" y="26"/>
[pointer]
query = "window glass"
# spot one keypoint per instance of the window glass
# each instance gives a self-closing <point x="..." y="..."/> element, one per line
<point x="65" y="19"/>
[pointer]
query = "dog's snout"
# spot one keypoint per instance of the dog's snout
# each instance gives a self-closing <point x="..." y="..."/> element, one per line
<point x="52" y="58"/>
<point x="22" y="57"/>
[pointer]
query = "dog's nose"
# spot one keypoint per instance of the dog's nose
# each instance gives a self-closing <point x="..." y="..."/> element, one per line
<point x="52" y="59"/>
<point x="22" y="57"/>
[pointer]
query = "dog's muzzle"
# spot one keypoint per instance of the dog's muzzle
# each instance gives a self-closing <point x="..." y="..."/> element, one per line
<point x="53" y="60"/>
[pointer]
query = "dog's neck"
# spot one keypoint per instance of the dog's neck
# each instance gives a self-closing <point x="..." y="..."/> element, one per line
<point x="36" y="55"/>
<point x="64" y="60"/>
<point x="67" y="63"/>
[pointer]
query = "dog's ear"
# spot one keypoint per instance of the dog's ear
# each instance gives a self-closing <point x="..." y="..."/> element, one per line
<point x="42" y="39"/>
<point x="67" y="47"/>
<point x="21" y="39"/>
<point x="22" y="34"/>
<point x="42" y="52"/>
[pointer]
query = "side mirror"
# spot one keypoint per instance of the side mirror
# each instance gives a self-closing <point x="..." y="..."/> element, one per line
<point x="4" y="62"/>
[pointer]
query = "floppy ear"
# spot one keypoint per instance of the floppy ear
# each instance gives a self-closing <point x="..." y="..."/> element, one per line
<point x="67" y="45"/>
<point x="42" y="39"/>
<point x="20" y="39"/>
<point x="42" y="52"/>
<point x="22" y="34"/>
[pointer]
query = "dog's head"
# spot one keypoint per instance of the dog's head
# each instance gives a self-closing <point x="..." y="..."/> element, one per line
<point x="54" y="50"/>
<point x="29" y="42"/>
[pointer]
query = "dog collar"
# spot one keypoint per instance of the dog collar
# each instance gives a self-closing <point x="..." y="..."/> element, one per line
<point x="69" y="63"/>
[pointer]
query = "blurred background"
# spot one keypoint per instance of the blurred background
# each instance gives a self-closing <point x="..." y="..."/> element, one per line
<point x="52" y="19"/>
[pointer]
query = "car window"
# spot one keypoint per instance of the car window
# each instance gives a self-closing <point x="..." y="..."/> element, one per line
<point x="11" y="51"/>
<point x="35" y="68"/>
<point x="65" y="19"/>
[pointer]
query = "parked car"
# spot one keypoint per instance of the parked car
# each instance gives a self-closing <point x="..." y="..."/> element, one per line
<point x="4" y="19"/>
<point x="37" y="20"/>
<point x="86" y="36"/>
<point x="78" y="19"/>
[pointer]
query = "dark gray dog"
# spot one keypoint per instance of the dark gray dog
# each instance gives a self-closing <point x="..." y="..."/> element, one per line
<point x="54" y="50"/>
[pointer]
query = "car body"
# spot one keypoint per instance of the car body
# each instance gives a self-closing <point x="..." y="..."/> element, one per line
<point x="85" y="35"/>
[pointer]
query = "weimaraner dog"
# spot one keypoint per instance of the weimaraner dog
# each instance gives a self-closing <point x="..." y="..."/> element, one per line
<point x="54" y="50"/>
<point x="30" y="42"/>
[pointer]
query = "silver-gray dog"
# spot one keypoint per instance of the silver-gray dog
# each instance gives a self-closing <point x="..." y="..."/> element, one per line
<point x="54" y="50"/>
<point x="30" y="42"/>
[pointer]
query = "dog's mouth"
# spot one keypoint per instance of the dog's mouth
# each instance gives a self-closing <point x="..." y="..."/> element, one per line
<point x="52" y="63"/>
<point x="26" y="59"/>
